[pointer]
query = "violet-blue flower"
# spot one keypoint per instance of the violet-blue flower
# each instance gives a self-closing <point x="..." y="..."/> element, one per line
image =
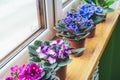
<point x="89" y="24"/>
<point x="86" y="10"/>
<point x="98" y="9"/>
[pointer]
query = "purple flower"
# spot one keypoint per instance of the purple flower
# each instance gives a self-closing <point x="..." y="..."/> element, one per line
<point x="9" y="78"/>
<point x="52" y="52"/>
<point x="42" y="51"/>
<point x="57" y="42"/>
<point x="51" y="60"/>
<point x="56" y="50"/>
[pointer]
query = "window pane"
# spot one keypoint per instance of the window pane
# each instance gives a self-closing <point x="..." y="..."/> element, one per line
<point x="18" y="20"/>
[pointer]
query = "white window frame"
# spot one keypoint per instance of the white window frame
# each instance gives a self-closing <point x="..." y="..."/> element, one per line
<point x="61" y="9"/>
<point x="22" y="56"/>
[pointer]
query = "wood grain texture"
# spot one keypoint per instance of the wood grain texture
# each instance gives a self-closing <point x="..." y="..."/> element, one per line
<point x="81" y="68"/>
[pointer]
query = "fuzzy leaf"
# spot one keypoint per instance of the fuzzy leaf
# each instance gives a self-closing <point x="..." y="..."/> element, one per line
<point x="53" y="77"/>
<point x="49" y="74"/>
<point x="56" y="68"/>
<point x="60" y="27"/>
<point x="46" y="42"/>
<point x="35" y="59"/>
<point x="78" y="38"/>
<point x="32" y="50"/>
<point x="47" y="65"/>
<point x="78" y="51"/>
<point x="64" y="62"/>
<point x="98" y="19"/>
<point x="107" y="10"/>
<point x="38" y="43"/>
<point x="66" y="42"/>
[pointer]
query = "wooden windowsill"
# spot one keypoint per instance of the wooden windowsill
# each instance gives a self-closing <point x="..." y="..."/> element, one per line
<point x="81" y="68"/>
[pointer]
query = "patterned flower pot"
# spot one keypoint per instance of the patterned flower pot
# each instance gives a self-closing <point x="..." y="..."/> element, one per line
<point x="92" y="33"/>
<point x="61" y="73"/>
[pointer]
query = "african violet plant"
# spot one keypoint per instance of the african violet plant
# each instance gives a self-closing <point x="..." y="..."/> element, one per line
<point x="74" y="26"/>
<point x="31" y="71"/>
<point x="105" y="4"/>
<point x="52" y="54"/>
<point x="99" y="9"/>
<point x="91" y="11"/>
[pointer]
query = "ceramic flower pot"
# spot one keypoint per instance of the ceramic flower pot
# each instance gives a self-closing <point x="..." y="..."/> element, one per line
<point x="61" y="73"/>
<point x="77" y="44"/>
<point x="92" y="33"/>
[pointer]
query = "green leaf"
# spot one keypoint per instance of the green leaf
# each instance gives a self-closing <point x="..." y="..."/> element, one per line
<point x="35" y="59"/>
<point x="98" y="19"/>
<point x="78" y="51"/>
<point x="64" y="62"/>
<point x="66" y="42"/>
<point x="47" y="65"/>
<point x="53" y="77"/>
<point x="107" y="10"/>
<point x="78" y="38"/>
<point x="49" y="74"/>
<point x="100" y="3"/>
<point x="41" y="63"/>
<point x="56" y="68"/>
<point x="109" y="2"/>
<point x="38" y="43"/>
<point x="88" y="1"/>
<point x="32" y="50"/>
<point x="46" y="43"/>
<point x="60" y="28"/>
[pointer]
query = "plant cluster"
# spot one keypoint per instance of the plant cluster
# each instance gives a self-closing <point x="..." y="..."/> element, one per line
<point x="53" y="54"/>
<point x="31" y="71"/>
<point x="74" y="26"/>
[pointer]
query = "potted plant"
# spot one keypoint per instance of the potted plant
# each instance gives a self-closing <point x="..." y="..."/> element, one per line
<point x="31" y="71"/>
<point x="105" y="4"/>
<point x="75" y="28"/>
<point x="91" y="11"/>
<point x="95" y="10"/>
<point x="53" y="54"/>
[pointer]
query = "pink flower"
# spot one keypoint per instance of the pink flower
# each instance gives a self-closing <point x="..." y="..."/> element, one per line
<point x="30" y="72"/>
<point x="35" y="70"/>
<point x="14" y="69"/>
<point x="9" y="78"/>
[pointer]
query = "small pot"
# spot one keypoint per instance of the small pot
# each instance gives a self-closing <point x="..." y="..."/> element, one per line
<point x="92" y="33"/>
<point x="61" y="73"/>
<point x="77" y="44"/>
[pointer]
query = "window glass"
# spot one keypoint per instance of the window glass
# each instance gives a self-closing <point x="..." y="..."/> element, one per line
<point x="18" y="20"/>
